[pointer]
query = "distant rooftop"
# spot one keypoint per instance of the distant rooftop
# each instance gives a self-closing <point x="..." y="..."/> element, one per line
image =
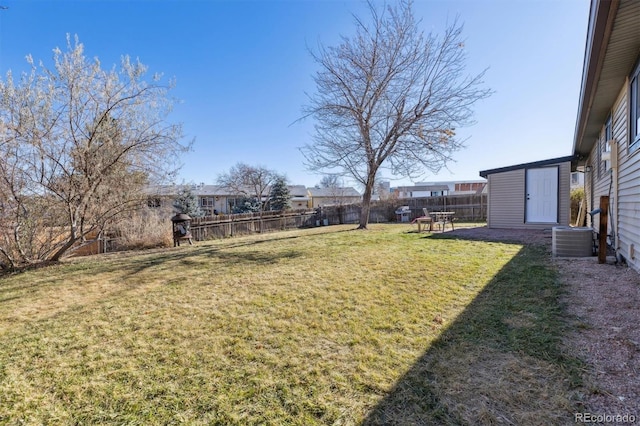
<point x="333" y="192"/>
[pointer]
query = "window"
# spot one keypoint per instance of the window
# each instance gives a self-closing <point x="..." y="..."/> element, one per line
<point x="575" y="179"/>
<point x="635" y="108"/>
<point x="206" y="202"/>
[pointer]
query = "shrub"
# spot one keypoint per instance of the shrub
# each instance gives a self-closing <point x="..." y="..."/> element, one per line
<point x="146" y="228"/>
<point x="577" y="195"/>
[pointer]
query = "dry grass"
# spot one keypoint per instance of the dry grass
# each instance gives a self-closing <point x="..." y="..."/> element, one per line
<point x="323" y="326"/>
<point x="143" y="229"/>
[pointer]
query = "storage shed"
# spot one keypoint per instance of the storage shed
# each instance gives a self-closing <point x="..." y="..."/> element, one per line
<point x="529" y="196"/>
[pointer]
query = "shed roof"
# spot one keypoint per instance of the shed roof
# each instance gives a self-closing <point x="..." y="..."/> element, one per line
<point x="485" y="173"/>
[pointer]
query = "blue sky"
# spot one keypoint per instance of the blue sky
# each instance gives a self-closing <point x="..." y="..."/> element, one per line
<point x="242" y="69"/>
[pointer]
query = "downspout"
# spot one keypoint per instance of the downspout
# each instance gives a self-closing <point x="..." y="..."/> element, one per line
<point x="587" y="204"/>
<point x="612" y="210"/>
<point x="613" y="189"/>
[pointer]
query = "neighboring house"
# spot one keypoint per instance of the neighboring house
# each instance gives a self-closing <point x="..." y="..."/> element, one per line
<point x="422" y="190"/>
<point x="161" y="196"/>
<point x="469" y="187"/>
<point x="322" y="197"/>
<point x="607" y="135"/>
<point x="210" y="197"/>
<point x="577" y="180"/>
<point x="225" y="200"/>
<point x="300" y="198"/>
<point x="437" y="189"/>
<point x="216" y="198"/>
<point x="381" y="191"/>
<point x="529" y="196"/>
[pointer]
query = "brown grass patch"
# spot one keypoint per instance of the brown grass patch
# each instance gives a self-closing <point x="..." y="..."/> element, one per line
<point x="484" y="386"/>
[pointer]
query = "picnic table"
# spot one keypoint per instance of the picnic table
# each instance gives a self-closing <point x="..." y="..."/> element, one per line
<point x="442" y="218"/>
<point x="424" y="220"/>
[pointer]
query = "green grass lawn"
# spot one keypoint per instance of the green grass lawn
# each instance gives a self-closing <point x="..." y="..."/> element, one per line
<point x="319" y="326"/>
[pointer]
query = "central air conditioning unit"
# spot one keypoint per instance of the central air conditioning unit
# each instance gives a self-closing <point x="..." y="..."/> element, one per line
<point x="571" y="242"/>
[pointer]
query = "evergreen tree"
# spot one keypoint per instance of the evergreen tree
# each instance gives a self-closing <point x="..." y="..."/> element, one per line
<point x="280" y="197"/>
<point x="247" y="205"/>
<point x="187" y="202"/>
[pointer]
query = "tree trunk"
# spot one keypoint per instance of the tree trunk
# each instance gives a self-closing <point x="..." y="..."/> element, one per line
<point x="62" y="250"/>
<point x="73" y="238"/>
<point x="11" y="264"/>
<point x="366" y="204"/>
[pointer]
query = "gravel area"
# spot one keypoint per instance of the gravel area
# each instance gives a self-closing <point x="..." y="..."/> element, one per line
<point x="603" y="300"/>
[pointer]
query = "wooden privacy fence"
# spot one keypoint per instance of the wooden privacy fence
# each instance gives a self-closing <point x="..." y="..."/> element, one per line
<point x="223" y="226"/>
<point x="466" y="208"/>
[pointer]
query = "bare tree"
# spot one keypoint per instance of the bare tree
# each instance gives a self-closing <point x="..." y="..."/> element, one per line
<point x="78" y="144"/>
<point x="390" y="96"/>
<point x="330" y="181"/>
<point x="334" y="185"/>
<point x="250" y="181"/>
<point x="382" y="189"/>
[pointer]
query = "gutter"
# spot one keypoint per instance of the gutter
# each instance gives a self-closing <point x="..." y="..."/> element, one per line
<point x="601" y="17"/>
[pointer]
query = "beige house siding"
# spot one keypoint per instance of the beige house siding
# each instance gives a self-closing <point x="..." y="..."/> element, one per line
<point x="588" y="188"/>
<point x="600" y="179"/>
<point x="628" y="188"/>
<point x="611" y="59"/>
<point x="624" y="198"/>
<point x="506" y="207"/>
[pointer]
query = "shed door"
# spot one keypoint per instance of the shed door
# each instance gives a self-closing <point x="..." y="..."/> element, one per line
<point x="542" y="195"/>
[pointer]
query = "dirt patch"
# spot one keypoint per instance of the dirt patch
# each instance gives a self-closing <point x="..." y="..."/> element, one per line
<point x="603" y="301"/>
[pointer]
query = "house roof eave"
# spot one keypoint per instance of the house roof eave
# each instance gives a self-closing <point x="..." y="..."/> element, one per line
<point x="612" y="47"/>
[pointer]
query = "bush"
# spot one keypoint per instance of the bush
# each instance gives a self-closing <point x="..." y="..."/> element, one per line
<point x="146" y="228"/>
<point x="577" y="195"/>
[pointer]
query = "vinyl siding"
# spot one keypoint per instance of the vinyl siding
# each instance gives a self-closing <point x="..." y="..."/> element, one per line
<point x="588" y="188"/>
<point x="598" y="183"/>
<point x="507" y="199"/>
<point x="628" y="185"/>
<point x="626" y="209"/>
<point x="601" y="183"/>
